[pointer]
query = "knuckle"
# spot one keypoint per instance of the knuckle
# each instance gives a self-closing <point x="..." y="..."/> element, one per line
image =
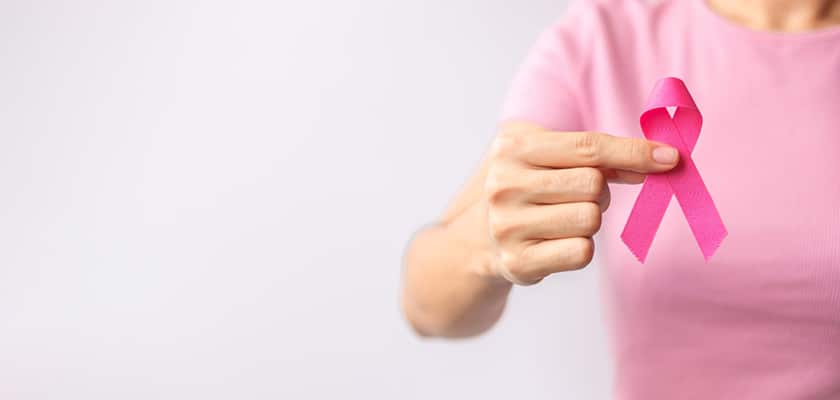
<point x="551" y="180"/>
<point x="501" y="185"/>
<point x="637" y="149"/>
<point x="586" y="145"/>
<point x="511" y="265"/>
<point x="589" y="217"/>
<point x="515" y="270"/>
<point x="605" y="200"/>
<point x="502" y="229"/>
<point x="506" y="146"/>
<point x="591" y="182"/>
<point x="495" y="187"/>
<point x="581" y="253"/>
<point x="498" y="195"/>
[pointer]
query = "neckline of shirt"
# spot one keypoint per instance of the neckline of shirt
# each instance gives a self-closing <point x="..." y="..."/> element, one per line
<point x="827" y="33"/>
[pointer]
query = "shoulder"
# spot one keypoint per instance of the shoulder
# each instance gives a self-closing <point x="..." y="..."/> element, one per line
<point x="596" y="44"/>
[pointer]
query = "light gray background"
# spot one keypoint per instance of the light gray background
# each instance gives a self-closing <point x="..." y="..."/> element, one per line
<point x="209" y="200"/>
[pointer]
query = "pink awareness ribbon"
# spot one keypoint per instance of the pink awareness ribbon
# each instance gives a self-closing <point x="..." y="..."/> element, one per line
<point x="680" y="131"/>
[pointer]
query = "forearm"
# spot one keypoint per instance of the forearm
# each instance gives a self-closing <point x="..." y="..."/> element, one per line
<point x="450" y="289"/>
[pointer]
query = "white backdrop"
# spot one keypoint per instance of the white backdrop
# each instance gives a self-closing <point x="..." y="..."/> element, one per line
<point x="210" y="199"/>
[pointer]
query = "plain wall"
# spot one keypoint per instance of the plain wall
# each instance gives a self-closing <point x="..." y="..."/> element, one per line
<point x="210" y="200"/>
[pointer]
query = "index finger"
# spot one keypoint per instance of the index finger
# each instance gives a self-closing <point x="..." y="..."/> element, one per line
<point x="594" y="149"/>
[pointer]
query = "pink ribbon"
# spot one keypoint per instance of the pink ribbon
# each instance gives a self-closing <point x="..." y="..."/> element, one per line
<point x="680" y="131"/>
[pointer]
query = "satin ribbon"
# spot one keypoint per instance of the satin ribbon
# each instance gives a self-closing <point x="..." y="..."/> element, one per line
<point x="680" y="131"/>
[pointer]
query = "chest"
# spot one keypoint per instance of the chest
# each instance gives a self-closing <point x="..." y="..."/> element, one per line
<point x="771" y="160"/>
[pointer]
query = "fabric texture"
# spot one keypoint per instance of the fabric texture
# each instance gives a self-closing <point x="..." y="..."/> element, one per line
<point x="761" y="320"/>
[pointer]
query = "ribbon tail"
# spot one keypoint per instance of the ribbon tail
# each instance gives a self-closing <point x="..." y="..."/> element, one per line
<point x="698" y="207"/>
<point x="646" y="215"/>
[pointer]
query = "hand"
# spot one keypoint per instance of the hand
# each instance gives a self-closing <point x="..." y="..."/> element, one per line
<point x="545" y="193"/>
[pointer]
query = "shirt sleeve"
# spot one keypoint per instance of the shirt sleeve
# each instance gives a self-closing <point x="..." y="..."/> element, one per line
<point x="543" y="89"/>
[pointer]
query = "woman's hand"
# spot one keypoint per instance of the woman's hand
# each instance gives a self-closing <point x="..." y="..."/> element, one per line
<point x="545" y="192"/>
<point x="530" y="211"/>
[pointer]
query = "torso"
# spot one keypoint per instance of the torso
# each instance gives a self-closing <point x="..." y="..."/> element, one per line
<point x="761" y="320"/>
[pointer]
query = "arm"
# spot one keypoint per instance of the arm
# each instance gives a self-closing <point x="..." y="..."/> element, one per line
<point x="449" y="288"/>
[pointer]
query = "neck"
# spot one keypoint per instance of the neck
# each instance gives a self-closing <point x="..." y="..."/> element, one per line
<point x="780" y="15"/>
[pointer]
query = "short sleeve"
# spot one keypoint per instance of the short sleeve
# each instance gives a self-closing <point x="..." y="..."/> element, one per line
<point x="542" y="90"/>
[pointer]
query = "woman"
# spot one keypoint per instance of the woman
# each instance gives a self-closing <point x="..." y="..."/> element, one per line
<point x="761" y="319"/>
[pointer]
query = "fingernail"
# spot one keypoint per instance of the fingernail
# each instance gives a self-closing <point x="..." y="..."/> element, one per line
<point x="665" y="155"/>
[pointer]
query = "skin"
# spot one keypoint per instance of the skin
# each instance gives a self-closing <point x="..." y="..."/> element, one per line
<point x="780" y="15"/>
<point x="537" y="198"/>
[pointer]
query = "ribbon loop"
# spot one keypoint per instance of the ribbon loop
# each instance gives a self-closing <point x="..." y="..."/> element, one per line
<point x="681" y="132"/>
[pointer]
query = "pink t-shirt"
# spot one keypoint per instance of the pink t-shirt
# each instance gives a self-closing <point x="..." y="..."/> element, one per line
<point x="761" y="320"/>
